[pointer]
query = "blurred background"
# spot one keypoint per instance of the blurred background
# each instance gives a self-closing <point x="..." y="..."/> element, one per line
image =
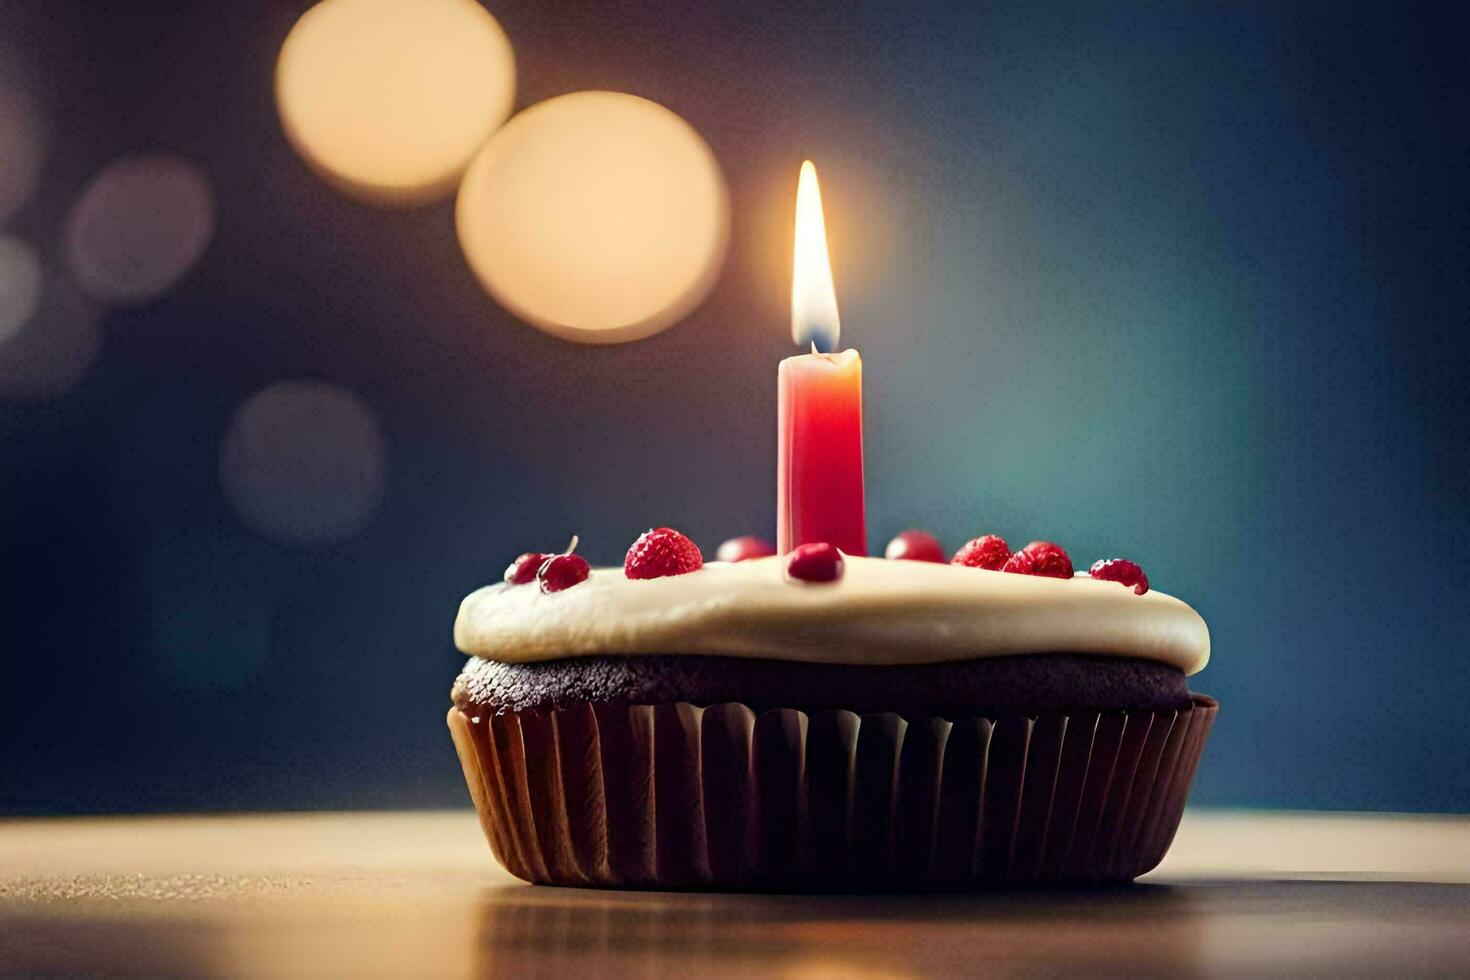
<point x="1182" y="282"/>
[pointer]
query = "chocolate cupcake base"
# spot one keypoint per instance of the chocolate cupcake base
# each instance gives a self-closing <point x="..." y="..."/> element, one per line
<point x="727" y="797"/>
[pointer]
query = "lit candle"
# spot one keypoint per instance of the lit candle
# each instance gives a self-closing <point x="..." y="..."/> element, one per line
<point x="819" y="451"/>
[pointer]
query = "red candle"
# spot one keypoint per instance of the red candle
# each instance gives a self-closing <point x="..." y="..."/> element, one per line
<point x="819" y="443"/>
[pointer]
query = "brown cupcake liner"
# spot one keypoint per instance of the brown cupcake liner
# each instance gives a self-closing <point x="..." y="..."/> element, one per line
<point x="721" y="797"/>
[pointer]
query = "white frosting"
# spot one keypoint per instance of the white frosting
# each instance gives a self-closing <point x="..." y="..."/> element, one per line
<point x="879" y="612"/>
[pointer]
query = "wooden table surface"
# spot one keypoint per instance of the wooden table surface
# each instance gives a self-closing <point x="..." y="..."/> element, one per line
<point x="417" y="894"/>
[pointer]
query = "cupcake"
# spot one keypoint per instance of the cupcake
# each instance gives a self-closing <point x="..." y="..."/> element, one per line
<point x="819" y="721"/>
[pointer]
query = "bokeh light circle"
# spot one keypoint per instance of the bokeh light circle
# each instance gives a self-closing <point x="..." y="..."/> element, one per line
<point x="20" y="285"/>
<point x="597" y="216"/>
<point x="53" y="350"/>
<point x="139" y="227"/>
<point x="389" y="99"/>
<point x="303" y="462"/>
<point x="22" y="147"/>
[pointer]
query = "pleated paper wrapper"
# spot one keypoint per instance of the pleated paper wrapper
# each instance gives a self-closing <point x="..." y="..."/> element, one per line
<point x="676" y="796"/>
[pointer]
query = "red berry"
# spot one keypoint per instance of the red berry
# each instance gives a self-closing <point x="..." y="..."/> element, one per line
<point x="741" y="549"/>
<point x="1122" y="571"/>
<point x="914" y="545"/>
<point x="816" y="562"/>
<point x="989" y="551"/>
<point x="560" y="572"/>
<point x="1040" y="558"/>
<point x="662" y="551"/>
<point x="523" y="569"/>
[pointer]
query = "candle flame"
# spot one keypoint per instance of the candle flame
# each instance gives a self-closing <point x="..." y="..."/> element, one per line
<point x="813" y="298"/>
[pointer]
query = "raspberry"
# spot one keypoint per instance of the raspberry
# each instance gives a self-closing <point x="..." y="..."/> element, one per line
<point x="742" y="549"/>
<point x="815" y="562"/>
<point x="914" y="545"/>
<point x="561" y="572"/>
<point x="1122" y="571"/>
<point x="662" y="551"/>
<point x="1040" y="558"/>
<point x="990" y="551"/>
<point x="523" y="569"/>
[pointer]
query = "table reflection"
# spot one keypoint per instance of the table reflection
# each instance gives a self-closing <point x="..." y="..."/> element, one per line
<point x="588" y="932"/>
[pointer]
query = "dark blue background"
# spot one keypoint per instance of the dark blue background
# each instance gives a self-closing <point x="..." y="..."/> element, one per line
<point x="1180" y="281"/>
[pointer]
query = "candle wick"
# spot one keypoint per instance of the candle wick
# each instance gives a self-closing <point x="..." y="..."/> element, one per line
<point x="814" y="348"/>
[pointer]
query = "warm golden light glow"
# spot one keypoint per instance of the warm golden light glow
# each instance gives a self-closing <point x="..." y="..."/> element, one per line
<point x="814" y="317"/>
<point x="597" y="216"/>
<point x="389" y="99"/>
